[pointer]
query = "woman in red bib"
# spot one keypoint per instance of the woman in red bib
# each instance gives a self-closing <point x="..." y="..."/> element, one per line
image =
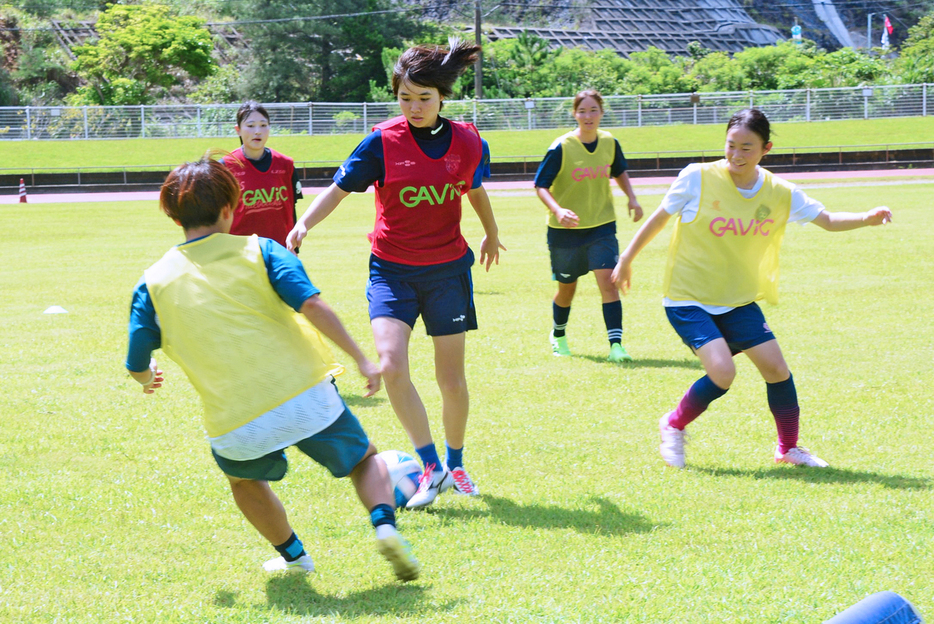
<point x="421" y="164"/>
<point x="269" y="184"/>
<point x="723" y="258"/>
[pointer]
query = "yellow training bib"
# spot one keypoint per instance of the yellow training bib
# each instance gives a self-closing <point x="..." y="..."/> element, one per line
<point x="728" y="255"/>
<point x="242" y="347"/>
<point x="583" y="182"/>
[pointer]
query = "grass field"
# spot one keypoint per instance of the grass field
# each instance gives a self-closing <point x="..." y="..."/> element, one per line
<point x="112" y="510"/>
<point x="503" y="145"/>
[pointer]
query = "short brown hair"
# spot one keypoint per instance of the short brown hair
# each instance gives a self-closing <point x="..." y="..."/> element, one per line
<point x="588" y="93"/>
<point x="195" y="193"/>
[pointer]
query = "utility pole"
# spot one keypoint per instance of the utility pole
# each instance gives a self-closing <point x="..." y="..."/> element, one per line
<point x="869" y="31"/>
<point x="478" y="68"/>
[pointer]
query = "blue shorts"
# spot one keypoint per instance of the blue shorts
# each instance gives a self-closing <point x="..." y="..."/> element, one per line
<point x="742" y="328"/>
<point x="570" y="263"/>
<point x="445" y="305"/>
<point x="339" y="448"/>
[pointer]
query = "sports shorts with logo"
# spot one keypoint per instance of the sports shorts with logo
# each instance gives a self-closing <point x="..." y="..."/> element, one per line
<point x="577" y="251"/>
<point x="742" y="328"/>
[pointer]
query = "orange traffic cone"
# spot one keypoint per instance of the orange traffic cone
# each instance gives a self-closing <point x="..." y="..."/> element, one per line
<point x="22" y="191"/>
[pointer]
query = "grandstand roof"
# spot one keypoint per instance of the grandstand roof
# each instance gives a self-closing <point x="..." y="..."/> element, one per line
<point x="628" y="26"/>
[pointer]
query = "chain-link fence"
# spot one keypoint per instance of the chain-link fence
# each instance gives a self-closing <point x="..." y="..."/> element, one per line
<point x="311" y="118"/>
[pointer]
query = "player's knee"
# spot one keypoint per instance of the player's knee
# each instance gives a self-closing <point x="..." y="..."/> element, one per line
<point x="452" y="385"/>
<point x="723" y="374"/>
<point x="393" y="369"/>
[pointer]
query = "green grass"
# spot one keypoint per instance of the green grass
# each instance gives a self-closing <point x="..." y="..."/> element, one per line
<point x="503" y="145"/>
<point x="112" y="510"/>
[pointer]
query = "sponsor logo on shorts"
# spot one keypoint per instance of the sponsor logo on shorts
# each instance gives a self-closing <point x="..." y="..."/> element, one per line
<point x="765" y="326"/>
<point x="459" y="319"/>
<point x="564" y="274"/>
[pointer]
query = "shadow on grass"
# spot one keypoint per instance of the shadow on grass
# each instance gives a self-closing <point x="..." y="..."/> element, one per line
<point x="355" y="400"/>
<point x="598" y="516"/>
<point x="822" y="475"/>
<point x="645" y="363"/>
<point x="294" y="594"/>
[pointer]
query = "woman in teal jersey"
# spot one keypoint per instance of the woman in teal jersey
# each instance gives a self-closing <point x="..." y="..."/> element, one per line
<point x="573" y="182"/>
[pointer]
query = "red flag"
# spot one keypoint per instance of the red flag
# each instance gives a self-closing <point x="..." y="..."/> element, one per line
<point x="888" y="25"/>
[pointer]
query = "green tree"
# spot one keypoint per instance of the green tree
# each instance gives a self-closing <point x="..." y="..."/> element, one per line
<point x="140" y="49"/>
<point x="916" y="62"/>
<point x="847" y="67"/>
<point x="653" y="71"/>
<point x="331" y="59"/>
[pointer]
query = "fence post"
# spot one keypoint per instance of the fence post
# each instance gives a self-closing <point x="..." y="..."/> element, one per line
<point x="639" y="100"/>
<point x="199" y="121"/>
<point x="865" y="105"/>
<point x="142" y="121"/>
<point x="28" y="124"/>
<point x="751" y="96"/>
<point x="84" y="110"/>
<point x="695" y="113"/>
<point x="807" y="108"/>
<point x="924" y="100"/>
<point x="365" y="125"/>
<point x="475" y="111"/>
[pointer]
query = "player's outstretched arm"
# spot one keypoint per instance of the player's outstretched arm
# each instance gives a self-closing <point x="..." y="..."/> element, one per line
<point x="622" y="273"/>
<point x="325" y="320"/>
<point x="490" y="246"/>
<point x="635" y="208"/>
<point x="843" y="221"/>
<point x="150" y="379"/>
<point x="323" y="205"/>
<point x="566" y="218"/>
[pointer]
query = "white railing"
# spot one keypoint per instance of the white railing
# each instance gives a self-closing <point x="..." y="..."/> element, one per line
<point x="311" y="118"/>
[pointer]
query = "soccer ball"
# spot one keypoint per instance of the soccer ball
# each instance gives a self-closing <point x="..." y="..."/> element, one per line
<point x="404" y="472"/>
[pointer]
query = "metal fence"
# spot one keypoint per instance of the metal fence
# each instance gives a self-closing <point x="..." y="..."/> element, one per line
<point x="311" y="118"/>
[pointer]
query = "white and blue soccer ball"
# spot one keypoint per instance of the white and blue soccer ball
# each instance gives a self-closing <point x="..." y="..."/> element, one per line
<point x="404" y="472"/>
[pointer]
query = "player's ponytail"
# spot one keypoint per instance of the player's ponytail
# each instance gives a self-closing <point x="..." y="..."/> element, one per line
<point x="434" y="66"/>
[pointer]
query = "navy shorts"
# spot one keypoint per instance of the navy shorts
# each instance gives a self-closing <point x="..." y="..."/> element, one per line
<point x="445" y="305"/>
<point x="339" y="448"/>
<point x="742" y="328"/>
<point x="570" y="263"/>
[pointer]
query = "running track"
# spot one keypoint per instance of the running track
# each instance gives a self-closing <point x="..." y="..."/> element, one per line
<point x="655" y="184"/>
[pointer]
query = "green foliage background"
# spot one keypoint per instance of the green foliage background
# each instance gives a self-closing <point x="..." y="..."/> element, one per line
<point x="346" y="58"/>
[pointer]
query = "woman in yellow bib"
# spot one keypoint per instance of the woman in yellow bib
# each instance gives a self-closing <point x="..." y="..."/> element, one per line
<point x="722" y="259"/>
<point x="573" y="182"/>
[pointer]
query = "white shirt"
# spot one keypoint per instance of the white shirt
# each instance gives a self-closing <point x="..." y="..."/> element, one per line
<point x="684" y="198"/>
<point x="298" y="418"/>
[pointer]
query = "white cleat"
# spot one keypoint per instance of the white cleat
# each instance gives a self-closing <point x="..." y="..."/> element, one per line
<point x="799" y="456"/>
<point x="672" y="446"/>
<point x="430" y="484"/>
<point x="279" y="564"/>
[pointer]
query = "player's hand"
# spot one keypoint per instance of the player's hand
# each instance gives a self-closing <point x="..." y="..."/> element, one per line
<point x="372" y="373"/>
<point x="489" y="251"/>
<point x="156" y="379"/>
<point x="622" y="276"/>
<point x="635" y="210"/>
<point x="294" y="240"/>
<point x="878" y="216"/>
<point x="567" y="218"/>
